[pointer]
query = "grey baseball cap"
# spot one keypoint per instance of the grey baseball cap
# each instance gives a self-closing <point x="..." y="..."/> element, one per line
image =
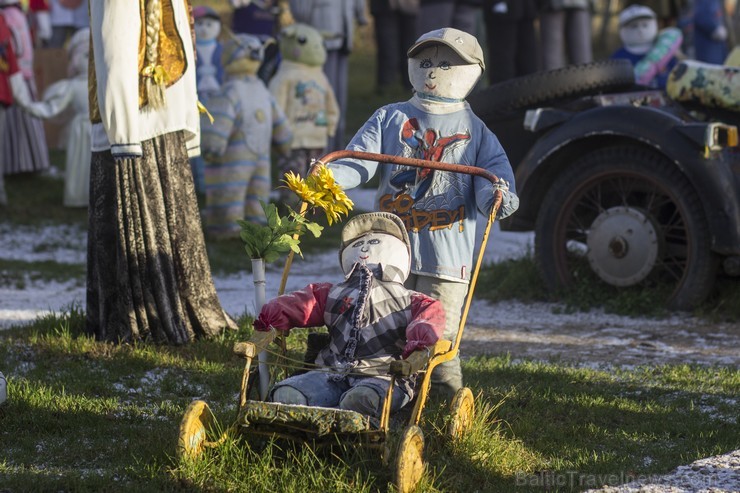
<point x="373" y="222"/>
<point x="635" y="12"/>
<point x="464" y="44"/>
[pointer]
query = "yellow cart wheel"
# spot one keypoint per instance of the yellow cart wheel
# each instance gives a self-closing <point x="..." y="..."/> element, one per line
<point x="462" y="410"/>
<point x="410" y="461"/>
<point x="197" y="425"/>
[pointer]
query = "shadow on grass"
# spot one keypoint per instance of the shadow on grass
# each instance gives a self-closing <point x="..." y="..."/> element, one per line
<point x="587" y="426"/>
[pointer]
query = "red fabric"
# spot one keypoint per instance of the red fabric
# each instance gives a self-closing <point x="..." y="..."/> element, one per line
<point x="8" y="63"/>
<point x="304" y="308"/>
<point x="38" y="5"/>
<point x="427" y="323"/>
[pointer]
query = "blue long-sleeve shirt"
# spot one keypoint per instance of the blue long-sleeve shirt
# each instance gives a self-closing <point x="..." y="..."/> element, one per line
<point x="438" y="208"/>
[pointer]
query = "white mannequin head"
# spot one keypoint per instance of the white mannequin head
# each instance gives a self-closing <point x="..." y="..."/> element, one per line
<point x="375" y="238"/>
<point x="445" y="64"/>
<point x="78" y="51"/>
<point x="207" y="24"/>
<point x="376" y="248"/>
<point x="638" y="28"/>
<point x="439" y="72"/>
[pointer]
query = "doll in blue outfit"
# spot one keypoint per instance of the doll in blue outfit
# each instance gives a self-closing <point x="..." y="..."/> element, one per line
<point x="653" y="53"/>
<point x="209" y="72"/>
<point x="439" y="209"/>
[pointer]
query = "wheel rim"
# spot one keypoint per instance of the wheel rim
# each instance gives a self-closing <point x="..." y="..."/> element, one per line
<point x="197" y="422"/>
<point x="598" y="213"/>
<point x="462" y="410"/>
<point x="410" y="466"/>
<point x="622" y="246"/>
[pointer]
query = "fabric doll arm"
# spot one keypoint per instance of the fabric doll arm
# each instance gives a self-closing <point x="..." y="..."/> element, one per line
<point x="282" y="135"/>
<point x="301" y="10"/>
<point x="655" y="61"/>
<point x="215" y="137"/>
<point x="57" y="98"/>
<point x="303" y="308"/>
<point x="42" y="16"/>
<point x="491" y="156"/>
<point x="351" y="173"/>
<point x="359" y="8"/>
<point x="708" y="17"/>
<point x="427" y="323"/>
<point x="332" y="109"/>
<point x="115" y="28"/>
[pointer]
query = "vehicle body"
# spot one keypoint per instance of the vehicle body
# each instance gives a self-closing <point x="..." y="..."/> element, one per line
<point x="621" y="184"/>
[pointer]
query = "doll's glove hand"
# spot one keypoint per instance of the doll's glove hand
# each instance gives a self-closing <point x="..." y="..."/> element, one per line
<point x="261" y="339"/>
<point x="720" y="33"/>
<point x="411" y="364"/>
<point x="502" y="185"/>
<point x="413" y="346"/>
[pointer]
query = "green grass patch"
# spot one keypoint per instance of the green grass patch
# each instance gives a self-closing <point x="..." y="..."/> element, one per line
<point x="85" y="415"/>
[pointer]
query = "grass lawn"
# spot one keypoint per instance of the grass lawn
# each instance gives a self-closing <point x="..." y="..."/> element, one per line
<point x="89" y="416"/>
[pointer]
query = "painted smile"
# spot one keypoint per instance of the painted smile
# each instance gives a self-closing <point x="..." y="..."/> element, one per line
<point x="430" y="87"/>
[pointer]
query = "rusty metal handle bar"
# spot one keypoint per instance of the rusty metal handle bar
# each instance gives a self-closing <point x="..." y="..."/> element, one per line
<point x="407" y="161"/>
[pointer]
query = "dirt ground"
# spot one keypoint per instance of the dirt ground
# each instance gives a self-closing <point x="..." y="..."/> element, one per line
<point x="596" y="338"/>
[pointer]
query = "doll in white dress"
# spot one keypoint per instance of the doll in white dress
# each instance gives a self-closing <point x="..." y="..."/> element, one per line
<point x="66" y="101"/>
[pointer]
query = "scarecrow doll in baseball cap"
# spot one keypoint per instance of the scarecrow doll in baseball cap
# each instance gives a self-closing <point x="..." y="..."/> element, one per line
<point x="371" y="317"/>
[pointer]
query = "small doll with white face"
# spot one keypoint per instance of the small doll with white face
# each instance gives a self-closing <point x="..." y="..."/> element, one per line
<point x="372" y="320"/>
<point x="66" y="102"/>
<point x="652" y="53"/>
<point x="209" y="72"/>
<point x="438" y="209"/>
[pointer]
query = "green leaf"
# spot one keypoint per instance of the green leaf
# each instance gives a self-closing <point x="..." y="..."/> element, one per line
<point x="273" y="219"/>
<point x="271" y="257"/>
<point x="314" y="228"/>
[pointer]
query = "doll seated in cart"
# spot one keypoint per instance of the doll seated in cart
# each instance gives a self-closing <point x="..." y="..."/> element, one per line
<point x="383" y="343"/>
<point x="372" y="320"/>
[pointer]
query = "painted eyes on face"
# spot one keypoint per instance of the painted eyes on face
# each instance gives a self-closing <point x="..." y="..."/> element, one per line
<point x="427" y="63"/>
<point x="359" y="243"/>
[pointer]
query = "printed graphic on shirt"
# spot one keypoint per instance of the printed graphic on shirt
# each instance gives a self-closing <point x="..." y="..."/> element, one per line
<point x="412" y="201"/>
<point x="313" y="99"/>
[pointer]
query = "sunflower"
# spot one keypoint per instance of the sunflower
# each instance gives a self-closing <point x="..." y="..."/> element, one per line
<point x="320" y="190"/>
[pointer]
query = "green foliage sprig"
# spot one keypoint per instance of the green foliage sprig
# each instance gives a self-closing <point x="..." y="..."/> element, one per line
<point x="279" y="236"/>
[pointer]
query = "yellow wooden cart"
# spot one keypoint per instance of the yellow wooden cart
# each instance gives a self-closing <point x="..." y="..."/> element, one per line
<point x="317" y="426"/>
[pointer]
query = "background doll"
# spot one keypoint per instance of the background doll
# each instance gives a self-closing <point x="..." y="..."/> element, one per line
<point x="24" y="140"/>
<point x="237" y="145"/>
<point x="10" y="75"/>
<point x="302" y="90"/>
<point x="652" y="53"/>
<point x="67" y="102"/>
<point x="209" y="73"/>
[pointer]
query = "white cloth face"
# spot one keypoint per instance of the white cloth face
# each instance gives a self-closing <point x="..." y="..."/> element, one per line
<point x="438" y="71"/>
<point x="377" y="248"/>
<point x="79" y="61"/>
<point x="207" y="29"/>
<point x="639" y="35"/>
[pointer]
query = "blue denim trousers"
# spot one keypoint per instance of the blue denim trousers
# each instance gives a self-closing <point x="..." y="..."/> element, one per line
<point x="318" y="388"/>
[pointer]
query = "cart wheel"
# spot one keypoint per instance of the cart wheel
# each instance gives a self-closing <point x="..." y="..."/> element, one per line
<point x="410" y="463"/>
<point x="197" y="423"/>
<point x="462" y="410"/>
